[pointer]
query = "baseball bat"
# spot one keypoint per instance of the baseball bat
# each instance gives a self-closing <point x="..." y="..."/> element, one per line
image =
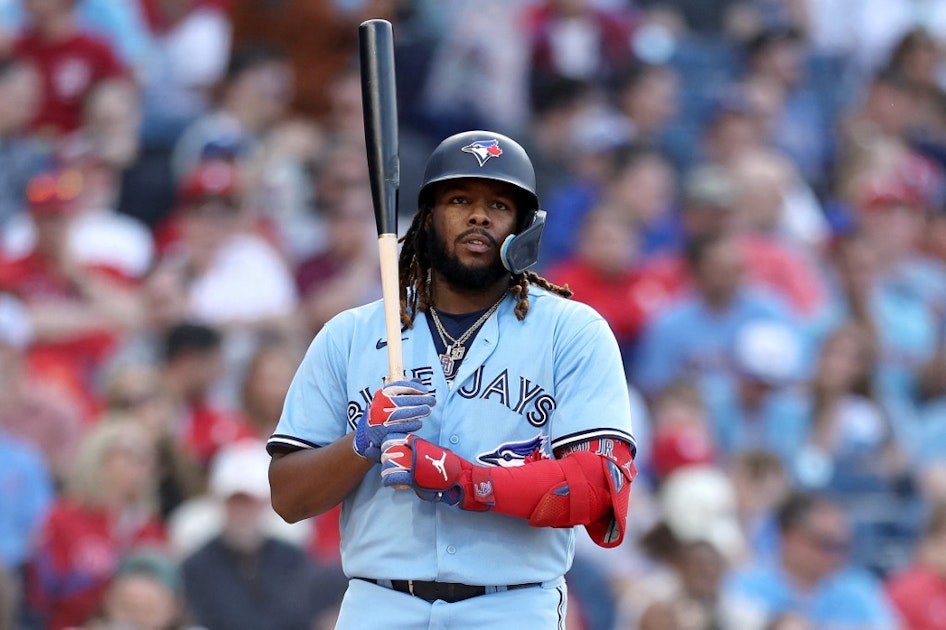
<point x="379" y="101"/>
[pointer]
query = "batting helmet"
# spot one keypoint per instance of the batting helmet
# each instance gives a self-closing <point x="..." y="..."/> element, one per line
<point x="490" y="155"/>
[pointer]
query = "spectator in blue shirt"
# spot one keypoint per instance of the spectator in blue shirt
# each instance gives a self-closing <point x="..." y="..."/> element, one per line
<point x="27" y="491"/>
<point x="694" y="336"/>
<point x="764" y="409"/>
<point x="810" y="576"/>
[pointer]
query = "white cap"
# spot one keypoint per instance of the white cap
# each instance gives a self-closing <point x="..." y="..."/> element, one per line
<point x="241" y="467"/>
<point x="698" y="503"/>
<point x="770" y="351"/>
<point x="16" y="329"/>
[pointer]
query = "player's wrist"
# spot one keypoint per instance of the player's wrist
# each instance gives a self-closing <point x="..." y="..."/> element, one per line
<point x="361" y="447"/>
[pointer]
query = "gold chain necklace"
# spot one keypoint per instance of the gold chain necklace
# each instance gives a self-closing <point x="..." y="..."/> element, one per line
<point x="455" y="349"/>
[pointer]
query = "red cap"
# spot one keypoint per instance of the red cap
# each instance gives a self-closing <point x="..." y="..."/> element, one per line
<point x="54" y="192"/>
<point x="213" y="178"/>
<point x="681" y="446"/>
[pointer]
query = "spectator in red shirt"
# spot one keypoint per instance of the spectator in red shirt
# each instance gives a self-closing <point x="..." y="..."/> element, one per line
<point x="70" y="61"/>
<point x="193" y="364"/>
<point x="919" y="591"/>
<point x="106" y="510"/>
<point x="78" y="311"/>
<point x="602" y="271"/>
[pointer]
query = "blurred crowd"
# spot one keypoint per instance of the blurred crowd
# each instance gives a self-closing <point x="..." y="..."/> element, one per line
<point x="751" y="192"/>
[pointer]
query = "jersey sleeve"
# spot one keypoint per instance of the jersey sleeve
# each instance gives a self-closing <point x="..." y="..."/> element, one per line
<point x="591" y="395"/>
<point x="314" y="413"/>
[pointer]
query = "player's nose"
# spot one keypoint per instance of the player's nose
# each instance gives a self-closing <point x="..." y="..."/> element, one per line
<point x="479" y="213"/>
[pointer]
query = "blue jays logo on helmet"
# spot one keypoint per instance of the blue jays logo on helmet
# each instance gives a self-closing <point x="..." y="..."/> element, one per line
<point x="483" y="150"/>
<point x="512" y="454"/>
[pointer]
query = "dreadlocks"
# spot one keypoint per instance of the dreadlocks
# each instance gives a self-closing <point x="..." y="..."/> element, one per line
<point x="414" y="268"/>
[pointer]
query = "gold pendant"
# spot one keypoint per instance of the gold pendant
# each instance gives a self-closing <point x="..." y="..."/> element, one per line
<point x="456" y="352"/>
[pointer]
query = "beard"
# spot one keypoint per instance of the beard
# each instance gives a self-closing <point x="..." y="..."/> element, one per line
<point x="457" y="274"/>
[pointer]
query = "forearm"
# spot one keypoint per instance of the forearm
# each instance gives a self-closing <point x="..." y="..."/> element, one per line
<point x="589" y="485"/>
<point x="309" y="482"/>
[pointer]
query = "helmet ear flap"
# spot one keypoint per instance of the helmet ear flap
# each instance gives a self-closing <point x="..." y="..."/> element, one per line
<point x="520" y="252"/>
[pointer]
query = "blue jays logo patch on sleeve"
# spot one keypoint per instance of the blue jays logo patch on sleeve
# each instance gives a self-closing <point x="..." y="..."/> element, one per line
<point x="483" y="150"/>
<point x="515" y="453"/>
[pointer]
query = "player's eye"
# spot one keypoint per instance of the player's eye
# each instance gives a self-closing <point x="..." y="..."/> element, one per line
<point x="458" y="199"/>
<point x="502" y="205"/>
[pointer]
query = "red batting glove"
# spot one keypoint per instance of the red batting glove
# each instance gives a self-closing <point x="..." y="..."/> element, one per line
<point x="436" y="474"/>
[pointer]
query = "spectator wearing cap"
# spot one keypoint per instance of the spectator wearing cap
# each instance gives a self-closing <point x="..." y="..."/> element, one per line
<point x="236" y="278"/>
<point x="106" y="509"/>
<point x="244" y="578"/>
<point x="811" y="574"/>
<point x="762" y="408"/>
<point x="233" y="279"/>
<point x="80" y="312"/>
<point x="71" y="62"/>
<point x="893" y="210"/>
<point x="145" y="593"/>
<point x="254" y="94"/>
<point x="697" y="539"/>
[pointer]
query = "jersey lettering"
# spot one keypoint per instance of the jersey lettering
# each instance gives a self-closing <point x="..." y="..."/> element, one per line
<point x="474" y="387"/>
<point x="605" y="448"/>
<point x="526" y="394"/>
<point x="544" y="406"/>
<point x="500" y="385"/>
<point x="530" y="395"/>
<point x="354" y="413"/>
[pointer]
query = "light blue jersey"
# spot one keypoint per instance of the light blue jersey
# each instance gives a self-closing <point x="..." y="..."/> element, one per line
<point x="551" y="380"/>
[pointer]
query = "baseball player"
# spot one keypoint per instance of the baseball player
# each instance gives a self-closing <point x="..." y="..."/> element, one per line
<point x="512" y="424"/>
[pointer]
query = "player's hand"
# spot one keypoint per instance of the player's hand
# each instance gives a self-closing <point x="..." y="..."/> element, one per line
<point x="395" y="408"/>
<point x="436" y="474"/>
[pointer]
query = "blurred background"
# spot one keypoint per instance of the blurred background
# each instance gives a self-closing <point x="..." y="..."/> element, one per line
<point x="751" y="192"/>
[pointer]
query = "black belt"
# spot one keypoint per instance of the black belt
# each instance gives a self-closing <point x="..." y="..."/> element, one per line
<point x="449" y="592"/>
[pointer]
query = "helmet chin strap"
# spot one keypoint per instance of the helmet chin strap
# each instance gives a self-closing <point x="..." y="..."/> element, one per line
<point x="520" y="252"/>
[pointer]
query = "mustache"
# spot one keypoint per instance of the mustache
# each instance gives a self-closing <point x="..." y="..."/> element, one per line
<point x="478" y="232"/>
